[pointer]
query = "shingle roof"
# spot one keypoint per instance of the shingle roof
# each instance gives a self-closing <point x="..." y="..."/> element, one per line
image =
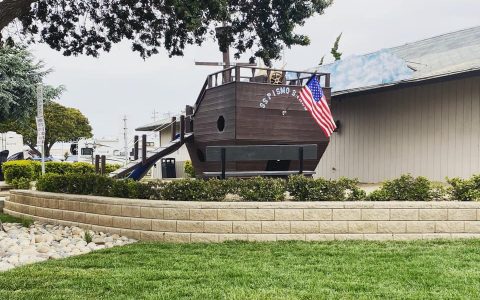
<point x="443" y="55"/>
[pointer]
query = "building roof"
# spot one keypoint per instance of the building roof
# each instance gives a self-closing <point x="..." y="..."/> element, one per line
<point x="158" y="125"/>
<point x="444" y="55"/>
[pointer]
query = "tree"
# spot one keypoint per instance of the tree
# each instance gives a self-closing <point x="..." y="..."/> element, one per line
<point x="19" y="77"/>
<point x="337" y="55"/>
<point x="89" y="26"/>
<point x="63" y="124"/>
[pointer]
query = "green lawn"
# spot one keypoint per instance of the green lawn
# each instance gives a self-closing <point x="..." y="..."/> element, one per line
<point x="286" y="270"/>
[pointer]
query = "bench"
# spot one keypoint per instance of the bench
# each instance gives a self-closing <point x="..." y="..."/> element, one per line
<point x="224" y="154"/>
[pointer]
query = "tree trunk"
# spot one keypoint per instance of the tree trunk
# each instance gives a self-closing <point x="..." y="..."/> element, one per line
<point x="12" y="9"/>
<point x="34" y="150"/>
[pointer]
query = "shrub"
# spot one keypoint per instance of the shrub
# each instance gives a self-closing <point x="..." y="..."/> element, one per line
<point x="109" y="168"/>
<point x="88" y="236"/>
<point x="195" y="190"/>
<point x="262" y="189"/>
<point x="20" y="169"/>
<point x="309" y="189"/>
<point x="21" y="183"/>
<point x="465" y="189"/>
<point x="408" y="188"/>
<point x="188" y="169"/>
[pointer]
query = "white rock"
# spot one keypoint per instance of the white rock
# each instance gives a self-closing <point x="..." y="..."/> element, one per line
<point x="5" y="266"/>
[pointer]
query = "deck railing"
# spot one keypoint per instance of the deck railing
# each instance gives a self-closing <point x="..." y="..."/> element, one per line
<point x="261" y="75"/>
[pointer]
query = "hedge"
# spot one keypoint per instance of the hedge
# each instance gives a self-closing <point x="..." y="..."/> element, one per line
<point x="31" y="170"/>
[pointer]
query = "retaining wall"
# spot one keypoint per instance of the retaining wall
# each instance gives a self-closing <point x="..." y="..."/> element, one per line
<point x="176" y="221"/>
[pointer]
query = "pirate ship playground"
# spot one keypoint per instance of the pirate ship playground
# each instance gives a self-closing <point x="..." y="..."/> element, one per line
<point x="246" y="121"/>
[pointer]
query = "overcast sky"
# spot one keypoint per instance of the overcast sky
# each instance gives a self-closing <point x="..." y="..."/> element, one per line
<point x="120" y="83"/>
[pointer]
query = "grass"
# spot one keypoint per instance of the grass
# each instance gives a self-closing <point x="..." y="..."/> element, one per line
<point x="10" y="219"/>
<point x="284" y="270"/>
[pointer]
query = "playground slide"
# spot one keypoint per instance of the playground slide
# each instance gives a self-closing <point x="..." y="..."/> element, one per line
<point x="136" y="170"/>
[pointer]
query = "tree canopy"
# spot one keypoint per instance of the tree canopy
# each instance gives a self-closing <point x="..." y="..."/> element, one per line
<point x="89" y="26"/>
<point x="19" y="77"/>
<point x="63" y="124"/>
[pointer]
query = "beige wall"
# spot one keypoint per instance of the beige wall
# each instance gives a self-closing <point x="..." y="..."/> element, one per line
<point x="431" y="130"/>
<point x="192" y="221"/>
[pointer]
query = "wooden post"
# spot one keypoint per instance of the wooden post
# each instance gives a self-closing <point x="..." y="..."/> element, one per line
<point x="327" y="80"/>
<point x="144" y="149"/>
<point x="188" y="119"/>
<point x="103" y="164"/>
<point x="97" y="164"/>
<point x="174" y="128"/>
<point x="237" y="73"/>
<point x="300" y="157"/>
<point x="135" y="147"/>
<point x="223" y="163"/>
<point x="182" y="128"/>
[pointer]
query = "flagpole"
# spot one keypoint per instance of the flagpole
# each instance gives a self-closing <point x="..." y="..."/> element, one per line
<point x="41" y="125"/>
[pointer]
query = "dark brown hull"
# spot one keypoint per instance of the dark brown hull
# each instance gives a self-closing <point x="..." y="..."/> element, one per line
<point x="253" y="114"/>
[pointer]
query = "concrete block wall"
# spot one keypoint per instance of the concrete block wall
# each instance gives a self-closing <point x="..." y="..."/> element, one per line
<point x="179" y="221"/>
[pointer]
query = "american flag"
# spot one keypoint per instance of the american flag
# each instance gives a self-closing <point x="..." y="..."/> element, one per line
<point x="312" y="97"/>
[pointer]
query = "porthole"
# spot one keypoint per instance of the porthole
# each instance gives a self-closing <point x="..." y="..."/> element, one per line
<point x="221" y="123"/>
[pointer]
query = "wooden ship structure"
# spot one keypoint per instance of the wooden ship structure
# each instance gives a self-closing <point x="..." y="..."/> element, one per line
<point x="243" y="106"/>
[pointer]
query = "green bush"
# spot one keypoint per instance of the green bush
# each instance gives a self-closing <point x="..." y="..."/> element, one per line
<point x="320" y="189"/>
<point x="408" y="188"/>
<point x="262" y="189"/>
<point x="465" y="189"/>
<point x="188" y="169"/>
<point x="20" y="169"/>
<point x="21" y="183"/>
<point x="195" y="190"/>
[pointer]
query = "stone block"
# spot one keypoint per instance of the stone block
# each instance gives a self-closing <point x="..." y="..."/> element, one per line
<point x="204" y="238"/>
<point x="348" y="236"/>
<point x="231" y="214"/>
<point x="378" y="237"/>
<point x="141" y="224"/>
<point x="105" y="221"/>
<point x="67" y="215"/>
<point x="262" y="237"/>
<point x="203" y="214"/>
<point x="318" y="237"/>
<point x="290" y="237"/>
<point x="133" y="234"/>
<point x="362" y="227"/>
<point x="288" y="214"/>
<point x="275" y="227"/>
<point x="121" y="222"/>
<point x="449" y="226"/>
<point x="247" y="226"/>
<point x="404" y="214"/>
<point x="232" y="237"/>
<point x="190" y="226"/>
<point x="375" y="214"/>
<point x="91" y="219"/>
<point x="472" y="226"/>
<point x="218" y="227"/>
<point x="176" y="213"/>
<point x="56" y="214"/>
<point x="152" y="236"/>
<point x="99" y="208"/>
<point x="320" y="214"/>
<point x="436" y="236"/>
<point x="261" y="214"/>
<point x="304" y="227"/>
<point x="151" y="212"/>
<point x="333" y="226"/>
<point x="350" y="214"/>
<point x="421" y="227"/>
<point x="392" y="226"/>
<point x="177" y="237"/>
<point x="433" y="214"/>
<point x="131" y="211"/>
<point x="407" y="236"/>
<point x="164" y="225"/>
<point x="465" y="214"/>
<point x="113" y="210"/>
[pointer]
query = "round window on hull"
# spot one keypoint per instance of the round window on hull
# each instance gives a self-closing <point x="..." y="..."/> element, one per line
<point x="221" y="123"/>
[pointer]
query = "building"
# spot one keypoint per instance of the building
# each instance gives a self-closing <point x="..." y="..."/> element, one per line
<point x="409" y="109"/>
<point x="163" y="131"/>
<point x="11" y="141"/>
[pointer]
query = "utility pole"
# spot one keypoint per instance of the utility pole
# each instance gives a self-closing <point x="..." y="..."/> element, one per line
<point x="40" y="125"/>
<point x="125" y="138"/>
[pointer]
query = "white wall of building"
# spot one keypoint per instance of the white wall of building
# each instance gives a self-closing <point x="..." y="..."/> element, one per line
<point x="431" y="130"/>
<point x="11" y="141"/>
